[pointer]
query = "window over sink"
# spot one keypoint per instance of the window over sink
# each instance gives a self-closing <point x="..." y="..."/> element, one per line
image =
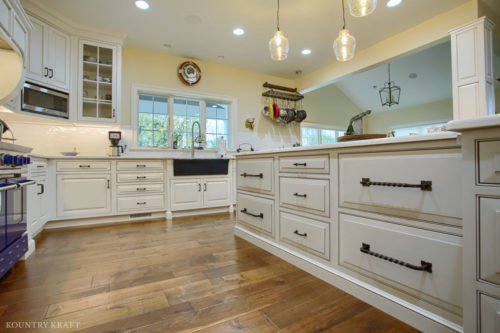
<point x="160" y="117"/>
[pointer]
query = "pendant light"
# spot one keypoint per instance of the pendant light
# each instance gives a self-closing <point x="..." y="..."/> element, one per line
<point x="389" y="94"/>
<point x="279" y="45"/>
<point x="361" y="8"/>
<point x="345" y="44"/>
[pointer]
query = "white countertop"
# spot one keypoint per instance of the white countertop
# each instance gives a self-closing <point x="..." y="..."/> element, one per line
<point x="131" y="157"/>
<point x="474" y="123"/>
<point x="359" y="143"/>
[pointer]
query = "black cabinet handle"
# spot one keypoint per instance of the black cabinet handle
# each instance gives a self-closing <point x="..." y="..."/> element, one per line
<point x="245" y="175"/>
<point x="300" y="164"/>
<point x="205" y="187"/>
<point x="51" y="73"/>
<point x="84" y="166"/>
<point x="42" y="189"/>
<point x="244" y="211"/>
<point x="199" y="187"/>
<point x="46" y="72"/>
<point x="109" y="183"/>
<point x="300" y="195"/>
<point x="141" y="165"/>
<point x="424" y="265"/>
<point x="141" y="189"/>
<point x="141" y="203"/>
<point x="299" y="234"/>
<point x="425" y="185"/>
<point x="140" y="177"/>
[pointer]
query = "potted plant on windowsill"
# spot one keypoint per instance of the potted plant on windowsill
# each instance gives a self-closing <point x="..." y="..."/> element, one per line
<point x="177" y="139"/>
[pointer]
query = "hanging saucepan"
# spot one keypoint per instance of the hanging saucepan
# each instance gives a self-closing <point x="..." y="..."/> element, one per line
<point x="300" y="115"/>
<point x="276" y="109"/>
<point x="283" y="113"/>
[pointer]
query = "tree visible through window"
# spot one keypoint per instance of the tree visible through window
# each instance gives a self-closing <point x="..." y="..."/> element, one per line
<point x="153" y="121"/>
<point x="186" y="112"/>
<point x="217" y="123"/>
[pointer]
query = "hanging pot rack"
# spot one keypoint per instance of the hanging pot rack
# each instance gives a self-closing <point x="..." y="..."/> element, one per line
<point x="281" y="92"/>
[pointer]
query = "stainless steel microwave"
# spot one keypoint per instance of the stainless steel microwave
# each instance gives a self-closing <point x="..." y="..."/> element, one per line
<point x="41" y="100"/>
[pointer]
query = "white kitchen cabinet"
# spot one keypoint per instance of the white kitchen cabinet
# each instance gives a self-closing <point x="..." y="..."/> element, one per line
<point x="186" y="194"/>
<point x="197" y="193"/>
<point x="83" y="195"/>
<point x="48" y="56"/>
<point x="98" y="81"/>
<point x="37" y="205"/>
<point x="5" y="17"/>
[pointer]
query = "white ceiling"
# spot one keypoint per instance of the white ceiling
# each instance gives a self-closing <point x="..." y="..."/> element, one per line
<point x="432" y="65"/>
<point x="313" y="24"/>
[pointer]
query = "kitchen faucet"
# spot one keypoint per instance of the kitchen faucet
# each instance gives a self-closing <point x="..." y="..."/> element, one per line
<point x="198" y="138"/>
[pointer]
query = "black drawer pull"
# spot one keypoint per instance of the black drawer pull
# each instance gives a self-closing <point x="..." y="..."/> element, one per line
<point x="84" y="166"/>
<point x="424" y="265"/>
<point x="245" y="175"/>
<point x="40" y="166"/>
<point x="141" y="189"/>
<point x="425" y="185"/>
<point x="300" y="164"/>
<point x="141" y="203"/>
<point x="299" y="234"/>
<point x="140" y="177"/>
<point x="244" y="211"/>
<point x="140" y="165"/>
<point x="300" y="195"/>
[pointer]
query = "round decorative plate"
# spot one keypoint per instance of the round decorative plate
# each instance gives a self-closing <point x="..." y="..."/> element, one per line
<point x="189" y="73"/>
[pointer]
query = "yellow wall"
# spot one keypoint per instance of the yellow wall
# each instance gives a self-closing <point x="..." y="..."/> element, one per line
<point x="149" y="68"/>
<point x="329" y="106"/>
<point x="418" y="36"/>
<point x="382" y="122"/>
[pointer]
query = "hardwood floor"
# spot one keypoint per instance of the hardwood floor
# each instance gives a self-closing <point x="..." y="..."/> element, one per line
<point x="190" y="275"/>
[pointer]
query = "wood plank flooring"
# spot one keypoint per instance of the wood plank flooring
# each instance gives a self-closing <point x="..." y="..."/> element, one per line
<point x="189" y="275"/>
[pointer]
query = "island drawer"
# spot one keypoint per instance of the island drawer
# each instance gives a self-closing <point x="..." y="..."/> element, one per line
<point x="424" y="184"/>
<point x="79" y="165"/>
<point x="256" y="212"/>
<point x="305" y="164"/>
<point x="139" y="188"/>
<point x="139" y="177"/>
<point x="37" y="166"/>
<point x="140" y="203"/>
<point x="490" y="314"/>
<point x="255" y="174"/>
<point x="489" y="162"/>
<point x="380" y="250"/>
<point x="139" y="165"/>
<point x="489" y="233"/>
<point x="307" y="234"/>
<point x="311" y="195"/>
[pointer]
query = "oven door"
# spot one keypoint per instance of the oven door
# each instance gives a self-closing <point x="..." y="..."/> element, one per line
<point x="4" y="186"/>
<point x="16" y="208"/>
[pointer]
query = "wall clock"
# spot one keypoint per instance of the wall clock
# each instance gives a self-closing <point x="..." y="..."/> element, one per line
<point x="189" y="73"/>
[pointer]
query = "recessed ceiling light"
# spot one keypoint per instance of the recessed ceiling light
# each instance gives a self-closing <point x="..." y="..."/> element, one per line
<point x="142" y="4"/>
<point x="238" y="32"/>
<point x="306" y="51"/>
<point x="393" y="3"/>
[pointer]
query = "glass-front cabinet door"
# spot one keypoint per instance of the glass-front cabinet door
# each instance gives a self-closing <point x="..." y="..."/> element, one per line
<point x="97" y="82"/>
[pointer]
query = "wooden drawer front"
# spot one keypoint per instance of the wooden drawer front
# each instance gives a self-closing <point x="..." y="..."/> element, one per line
<point x="139" y="177"/>
<point x="83" y="166"/>
<point x="139" y="188"/>
<point x="489" y="230"/>
<point x="38" y="166"/>
<point x="490" y="314"/>
<point x="442" y="167"/>
<point x="410" y="245"/>
<point x="311" y="195"/>
<point x="305" y="164"/>
<point x="141" y="203"/>
<point x="256" y="174"/>
<point x="309" y="235"/>
<point x="139" y="165"/>
<point x="256" y="212"/>
<point x="489" y="162"/>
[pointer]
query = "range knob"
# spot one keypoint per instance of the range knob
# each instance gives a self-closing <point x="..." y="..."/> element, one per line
<point x="7" y="159"/>
<point x="18" y="160"/>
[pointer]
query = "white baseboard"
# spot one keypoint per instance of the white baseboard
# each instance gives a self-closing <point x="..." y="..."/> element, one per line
<point x="103" y="220"/>
<point x="31" y="249"/>
<point x="415" y="316"/>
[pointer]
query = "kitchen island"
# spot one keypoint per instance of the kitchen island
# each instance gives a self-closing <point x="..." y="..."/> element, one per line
<point x="380" y="219"/>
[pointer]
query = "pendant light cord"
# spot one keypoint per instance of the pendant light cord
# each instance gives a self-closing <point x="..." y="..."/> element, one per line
<point x="278" y="15"/>
<point x="343" y="14"/>
<point x="389" y="71"/>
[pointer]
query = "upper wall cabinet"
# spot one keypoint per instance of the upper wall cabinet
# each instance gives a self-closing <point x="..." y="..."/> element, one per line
<point x="98" y="81"/>
<point x="48" y="56"/>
